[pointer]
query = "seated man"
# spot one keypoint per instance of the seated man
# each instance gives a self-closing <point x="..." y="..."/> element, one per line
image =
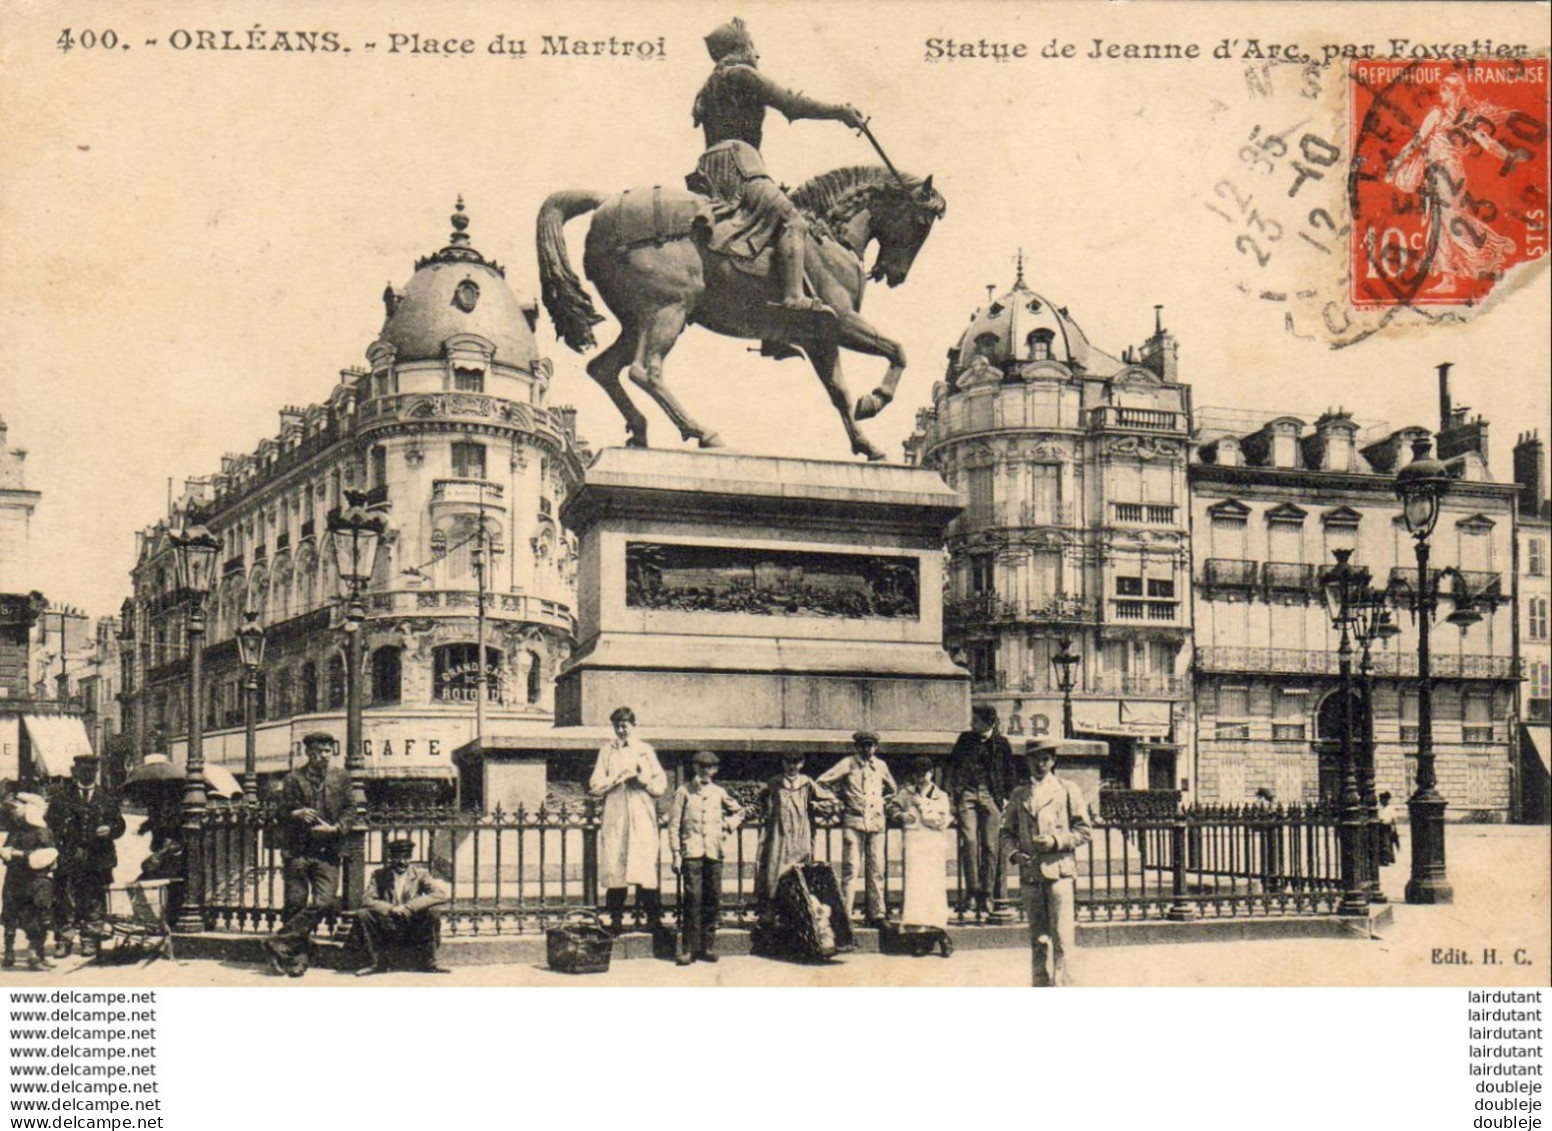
<point x="399" y="913"/>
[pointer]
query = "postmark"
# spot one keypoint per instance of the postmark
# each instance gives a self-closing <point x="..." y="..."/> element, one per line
<point x="1448" y="182"/>
<point x="1300" y="181"/>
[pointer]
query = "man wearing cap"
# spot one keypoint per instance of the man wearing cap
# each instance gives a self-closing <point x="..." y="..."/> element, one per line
<point x="980" y="775"/>
<point x="1045" y="822"/>
<point x="730" y="110"/>
<point x="316" y="811"/>
<point x="399" y="913"/>
<point x="862" y="781"/>
<point x="699" y="820"/>
<point x="85" y="820"/>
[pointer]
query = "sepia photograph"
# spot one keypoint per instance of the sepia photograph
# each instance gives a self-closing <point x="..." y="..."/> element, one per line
<point x="675" y="495"/>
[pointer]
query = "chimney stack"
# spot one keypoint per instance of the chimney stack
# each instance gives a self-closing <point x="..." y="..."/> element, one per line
<point x="1530" y="472"/>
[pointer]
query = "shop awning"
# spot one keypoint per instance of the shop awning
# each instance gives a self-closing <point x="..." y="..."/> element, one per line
<point x="1539" y="739"/>
<point x="56" y="740"/>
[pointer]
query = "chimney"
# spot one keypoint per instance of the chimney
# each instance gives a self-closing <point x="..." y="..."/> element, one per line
<point x="1160" y="352"/>
<point x="1530" y="472"/>
<point x="1444" y="396"/>
<point x="1457" y="434"/>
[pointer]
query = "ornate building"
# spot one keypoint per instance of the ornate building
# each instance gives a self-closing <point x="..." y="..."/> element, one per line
<point x="1534" y="584"/>
<point x="1073" y="464"/>
<point x="449" y="433"/>
<point x="1272" y="498"/>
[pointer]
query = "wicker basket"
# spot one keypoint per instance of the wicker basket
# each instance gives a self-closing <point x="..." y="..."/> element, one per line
<point x="580" y="945"/>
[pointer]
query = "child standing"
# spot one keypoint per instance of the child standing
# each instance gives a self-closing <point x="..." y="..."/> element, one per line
<point x="28" y="895"/>
<point x="698" y="823"/>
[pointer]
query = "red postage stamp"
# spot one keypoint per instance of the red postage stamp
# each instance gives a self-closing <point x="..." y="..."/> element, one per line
<point x="1448" y="188"/>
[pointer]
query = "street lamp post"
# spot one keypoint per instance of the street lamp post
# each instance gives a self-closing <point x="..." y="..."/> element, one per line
<point x="357" y="536"/>
<point x="194" y="550"/>
<point x="250" y="648"/>
<point x="1343" y="586"/>
<point x="1066" y="664"/>
<point x="1372" y="621"/>
<point x="1420" y="486"/>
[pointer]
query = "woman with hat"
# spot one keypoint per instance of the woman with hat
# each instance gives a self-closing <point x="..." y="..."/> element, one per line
<point x="921" y="809"/>
<point x="628" y="776"/>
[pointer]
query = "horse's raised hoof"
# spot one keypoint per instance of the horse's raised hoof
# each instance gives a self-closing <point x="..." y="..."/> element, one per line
<point x="871" y="404"/>
<point x="636" y="440"/>
<point x="863" y="448"/>
<point x="710" y="440"/>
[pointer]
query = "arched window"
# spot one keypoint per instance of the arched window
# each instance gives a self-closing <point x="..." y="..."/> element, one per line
<point x="336" y="681"/>
<point x="454" y="673"/>
<point x="1040" y="345"/>
<point x="309" y="688"/>
<point x="535" y="678"/>
<point x="386" y="675"/>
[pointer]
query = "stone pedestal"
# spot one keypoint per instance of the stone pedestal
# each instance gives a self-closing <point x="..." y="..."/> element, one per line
<point x="760" y="593"/>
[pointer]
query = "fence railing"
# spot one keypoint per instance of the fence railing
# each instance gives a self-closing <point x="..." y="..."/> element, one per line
<point x="514" y="873"/>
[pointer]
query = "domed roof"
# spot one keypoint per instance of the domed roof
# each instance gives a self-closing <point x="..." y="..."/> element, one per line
<point x="459" y="291"/>
<point x="1021" y="327"/>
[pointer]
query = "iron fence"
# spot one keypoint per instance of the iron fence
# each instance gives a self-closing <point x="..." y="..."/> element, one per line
<point x="519" y="872"/>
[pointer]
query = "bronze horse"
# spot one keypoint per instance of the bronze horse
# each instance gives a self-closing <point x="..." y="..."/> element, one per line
<point x="658" y="285"/>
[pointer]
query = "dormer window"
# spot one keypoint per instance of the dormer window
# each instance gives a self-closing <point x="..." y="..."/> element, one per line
<point x="469" y="380"/>
<point x="986" y="345"/>
<point x="1040" y="345"/>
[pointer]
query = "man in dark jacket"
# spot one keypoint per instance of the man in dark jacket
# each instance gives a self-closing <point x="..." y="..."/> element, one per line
<point x="979" y="777"/>
<point x="84" y="820"/>
<point x="400" y="913"/>
<point x="316" y="811"/>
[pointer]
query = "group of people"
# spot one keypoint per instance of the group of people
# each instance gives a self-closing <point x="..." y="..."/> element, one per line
<point x="1034" y="820"/>
<point x="59" y="856"/>
<point x="397" y="922"/>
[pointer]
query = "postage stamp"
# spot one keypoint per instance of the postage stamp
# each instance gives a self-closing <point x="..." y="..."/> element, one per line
<point x="1448" y="179"/>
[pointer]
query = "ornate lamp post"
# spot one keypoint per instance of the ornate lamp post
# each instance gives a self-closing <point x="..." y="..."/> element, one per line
<point x="250" y="648"/>
<point x="1371" y="621"/>
<point x="194" y="550"/>
<point x="1066" y="662"/>
<point x="1343" y="587"/>
<point x="1420" y="486"/>
<point x="357" y="536"/>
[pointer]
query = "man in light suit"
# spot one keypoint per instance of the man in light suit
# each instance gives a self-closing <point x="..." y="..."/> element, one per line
<point x="399" y="913"/>
<point x="1045" y="822"/>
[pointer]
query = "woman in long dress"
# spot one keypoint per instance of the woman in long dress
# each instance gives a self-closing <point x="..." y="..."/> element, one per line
<point x="1433" y="164"/>
<point x="787" y="810"/>
<point x="921" y="809"/>
<point x="628" y="776"/>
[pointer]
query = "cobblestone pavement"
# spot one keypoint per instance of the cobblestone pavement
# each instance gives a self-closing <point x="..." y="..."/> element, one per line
<point x="1501" y="876"/>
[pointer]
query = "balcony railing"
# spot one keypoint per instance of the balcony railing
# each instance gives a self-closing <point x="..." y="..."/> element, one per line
<point x="1288" y="577"/>
<point x="1486" y="585"/>
<point x="1137" y="419"/>
<point x="1160" y="686"/>
<point x="1230" y="573"/>
<point x="1126" y="608"/>
<point x="1300" y="661"/>
<point x="1152" y="514"/>
<point x="988" y="608"/>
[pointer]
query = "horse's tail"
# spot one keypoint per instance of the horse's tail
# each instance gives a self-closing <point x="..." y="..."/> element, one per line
<point x="571" y="307"/>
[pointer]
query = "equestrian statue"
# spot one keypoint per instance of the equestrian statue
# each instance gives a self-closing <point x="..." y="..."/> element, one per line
<point x="738" y="255"/>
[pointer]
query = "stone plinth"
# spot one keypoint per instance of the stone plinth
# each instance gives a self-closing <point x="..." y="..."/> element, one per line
<point x="761" y="593"/>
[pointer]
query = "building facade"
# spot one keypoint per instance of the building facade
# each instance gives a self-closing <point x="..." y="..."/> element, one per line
<point x="449" y="433"/>
<point x="1273" y="497"/>
<point x="1534" y="589"/>
<point x="1073" y="466"/>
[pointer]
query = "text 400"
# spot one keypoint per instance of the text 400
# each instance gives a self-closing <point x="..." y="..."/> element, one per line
<point x="107" y="38"/>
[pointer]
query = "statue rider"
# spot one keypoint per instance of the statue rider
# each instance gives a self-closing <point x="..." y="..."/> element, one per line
<point x="730" y="109"/>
